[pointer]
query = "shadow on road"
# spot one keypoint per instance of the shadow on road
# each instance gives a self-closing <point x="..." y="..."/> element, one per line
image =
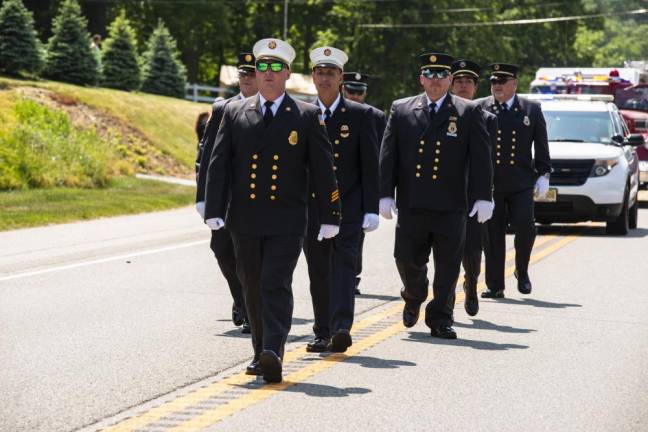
<point x="487" y="325"/>
<point x="467" y="343"/>
<point x="310" y="389"/>
<point x="234" y="333"/>
<point x="369" y="362"/>
<point x="535" y="303"/>
<point x="587" y="231"/>
<point x="381" y="297"/>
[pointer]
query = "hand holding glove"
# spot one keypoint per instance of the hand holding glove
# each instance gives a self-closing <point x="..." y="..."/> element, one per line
<point x="541" y="186"/>
<point x="370" y="222"/>
<point x="200" y="208"/>
<point x="387" y="206"/>
<point x="483" y="209"/>
<point x="327" y="231"/>
<point x="215" y="223"/>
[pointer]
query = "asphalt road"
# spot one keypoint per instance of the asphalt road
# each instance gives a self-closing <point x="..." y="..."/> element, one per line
<point x="123" y="324"/>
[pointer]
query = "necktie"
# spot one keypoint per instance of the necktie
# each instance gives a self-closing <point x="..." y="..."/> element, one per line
<point x="504" y="108"/>
<point x="268" y="116"/>
<point x="432" y="110"/>
<point x="327" y="115"/>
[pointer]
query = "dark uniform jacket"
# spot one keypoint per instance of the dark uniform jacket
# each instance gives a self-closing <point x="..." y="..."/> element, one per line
<point x="351" y="130"/>
<point x="207" y="144"/>
<point x="430" y="161"/>
<point x="380" y="121"/>
<point x="521" y="132"/>
<point x="264" y="171"/>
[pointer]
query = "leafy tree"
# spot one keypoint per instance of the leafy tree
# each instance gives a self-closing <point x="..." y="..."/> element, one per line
<point x="19" y="47"/>
<point x="120" y="63"/>
<point x="69" y="57"/>
<point x="163" y="73"/>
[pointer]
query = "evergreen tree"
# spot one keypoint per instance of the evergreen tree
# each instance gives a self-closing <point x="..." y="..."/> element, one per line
<point x="69" y="57"/>
<point x="163" y="72"/>
<point x="120" y="64"/>
<point x="19" y="47"/>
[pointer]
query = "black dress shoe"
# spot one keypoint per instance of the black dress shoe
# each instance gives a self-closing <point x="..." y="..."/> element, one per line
<point x="524" y="284"/>
<point x="340" y="341"/>
<point x="253" y="368"/>
<point x="471" y="302"/>
<point x="237" y="315"/>
<point x="443" y="332"/>
<point x="270" y="366"/>
<point x="317" y="345"/>
<point x="410" y="314"/>
<point x="245" y="328"/>
<point x="493" y="294"/>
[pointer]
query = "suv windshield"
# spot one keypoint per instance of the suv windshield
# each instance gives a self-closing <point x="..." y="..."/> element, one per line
<point x="584" y="126"/>
<point x="634" y="98"/>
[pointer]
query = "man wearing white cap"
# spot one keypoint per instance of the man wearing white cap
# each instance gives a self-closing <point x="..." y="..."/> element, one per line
<point x="257" y="186"/>
<point x="332" y="263"/>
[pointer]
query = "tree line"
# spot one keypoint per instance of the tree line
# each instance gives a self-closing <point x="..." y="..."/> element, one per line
<point x="210" y="33"/>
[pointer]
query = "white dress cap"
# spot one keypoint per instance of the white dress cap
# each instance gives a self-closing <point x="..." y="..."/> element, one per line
<point x="328" y="57"/>
<point x="274" y="48"/>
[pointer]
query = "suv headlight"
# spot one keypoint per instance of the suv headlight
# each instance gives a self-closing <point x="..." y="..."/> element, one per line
<point x="603" y="167"/>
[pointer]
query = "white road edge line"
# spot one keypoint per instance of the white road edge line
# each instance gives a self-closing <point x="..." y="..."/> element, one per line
<point x="100" y="261"/>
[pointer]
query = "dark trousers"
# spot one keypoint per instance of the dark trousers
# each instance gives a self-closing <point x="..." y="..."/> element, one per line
<point x="223" y="248"/>
<point x="265" y="268"/>
<point x="443" y="234"/>
<point x="359" y="260"/>
<point x="332" y="272"/>
<point x="518" y="208"/>
<point x="476" y="239"/>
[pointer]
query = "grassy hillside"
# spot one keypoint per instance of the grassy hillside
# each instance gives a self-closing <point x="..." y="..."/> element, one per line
<point x="159" y="125"/>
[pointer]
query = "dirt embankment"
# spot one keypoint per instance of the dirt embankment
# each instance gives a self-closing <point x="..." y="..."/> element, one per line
<point x="131" y="145"/>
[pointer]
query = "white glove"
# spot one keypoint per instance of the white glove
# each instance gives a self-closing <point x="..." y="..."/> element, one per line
<point x="541" y="186"/>
<point x="327" y="231"/>
<point x="370" y="222"/>
<point x="215" y="223"/>
<point x="200" y="208"/>
<point x="483" y="209"/>
<point x="387" y="206"/>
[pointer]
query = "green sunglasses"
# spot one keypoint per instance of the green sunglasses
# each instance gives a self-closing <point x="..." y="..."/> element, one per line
<point x="438" y="74"/>
<point x="274" y="66"/>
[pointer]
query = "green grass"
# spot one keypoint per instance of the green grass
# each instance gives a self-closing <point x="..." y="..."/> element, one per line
<point x="127" y="195"/>
<point x="167" y="123"/>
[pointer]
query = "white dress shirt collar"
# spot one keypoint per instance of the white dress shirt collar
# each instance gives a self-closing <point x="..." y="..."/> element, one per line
<point x="439" y="102"/>
<point x="332" y="108"/>
<point x="275" y="105"/>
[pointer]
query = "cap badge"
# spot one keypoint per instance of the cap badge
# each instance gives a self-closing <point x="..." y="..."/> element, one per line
<point x="433" y="58"/>
<point x="248" y="58"/>
<point x="272" y="44"/>
<point x="344" y="131"/>
<point x="358" y="76"/>
<point x="462" y="64"/>
<point x="327" y="52"/>
<point x="293" y="138"/>
<point x="526" y="121"/>
<point x="496" y="67"/>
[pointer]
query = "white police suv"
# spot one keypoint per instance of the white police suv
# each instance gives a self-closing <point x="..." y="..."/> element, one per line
<point x="595" y="168"/>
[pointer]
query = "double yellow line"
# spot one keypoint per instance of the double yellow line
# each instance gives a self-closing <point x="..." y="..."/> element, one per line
<point x="240" y="380"/>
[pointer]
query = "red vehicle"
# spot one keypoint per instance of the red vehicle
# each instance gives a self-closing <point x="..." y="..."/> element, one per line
<point x="633" y="103"/>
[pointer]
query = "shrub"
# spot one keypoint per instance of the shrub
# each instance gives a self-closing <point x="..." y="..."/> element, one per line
<point x="20" y="49"/>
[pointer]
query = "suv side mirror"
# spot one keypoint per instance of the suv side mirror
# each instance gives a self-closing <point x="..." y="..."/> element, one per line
<point x="618" y="139"/>
<point x="636" y="140"/>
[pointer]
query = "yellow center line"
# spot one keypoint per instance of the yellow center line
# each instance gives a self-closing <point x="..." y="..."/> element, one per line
<point x="240" y="379"/>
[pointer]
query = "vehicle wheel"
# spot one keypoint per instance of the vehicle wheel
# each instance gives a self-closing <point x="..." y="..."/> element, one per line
<point x="634" y="215"/>
<point x="621" y="224"/>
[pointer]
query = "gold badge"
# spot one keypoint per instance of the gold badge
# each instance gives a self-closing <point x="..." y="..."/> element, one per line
<point x="248" y="58"/>
<point x="452" y="128"/>
<point x="344" y="131"/>
<point x="327" y="52"/>
<point x="452" y="118"/>
<point x="293" y="138"/>
<point x="272" y="44"/>
<point x="433" y="59"/>
<point x="526" y="121"/>
<point x="496" y="67"/>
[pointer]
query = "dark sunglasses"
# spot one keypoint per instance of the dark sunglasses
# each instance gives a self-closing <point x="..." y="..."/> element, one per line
<point x="500" y="81"/>
<point x="439" y="74"/>
<point x="273" y="66"/>
<point x="354" y="92"/>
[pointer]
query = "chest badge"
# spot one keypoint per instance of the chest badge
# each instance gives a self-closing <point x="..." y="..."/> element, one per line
<point x="526" y="121"/>
<point x="452" y="129"/>
<point x="344" y="131"/>
<point x="293" y="138"/>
